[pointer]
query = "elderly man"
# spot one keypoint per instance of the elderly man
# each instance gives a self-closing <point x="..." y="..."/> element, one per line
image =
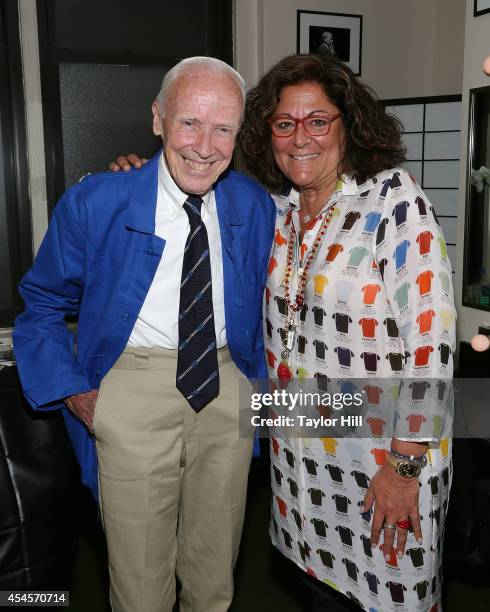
<point x="165" y="269"/>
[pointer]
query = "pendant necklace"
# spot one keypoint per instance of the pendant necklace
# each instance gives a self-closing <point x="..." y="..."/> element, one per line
<point x="307" y="217"/>
<point x="302" y="269"/>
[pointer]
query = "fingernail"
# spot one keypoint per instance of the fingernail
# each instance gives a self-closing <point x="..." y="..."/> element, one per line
<point x="419" y="540"/>
<point x="400" y="554"/>
<point x="362" y="509"/>
<point x="387" y="557"/>
<point x="373" y="544"/>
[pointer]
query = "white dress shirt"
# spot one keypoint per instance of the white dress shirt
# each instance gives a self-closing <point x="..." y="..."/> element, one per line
<point x="157" y="325"/>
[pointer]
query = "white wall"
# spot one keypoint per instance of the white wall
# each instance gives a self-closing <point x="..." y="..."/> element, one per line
<point x="34" y="120"/>
<point x="449" y="36"/>
<point x="476" y="49"/>
<point x="410" y="47"/>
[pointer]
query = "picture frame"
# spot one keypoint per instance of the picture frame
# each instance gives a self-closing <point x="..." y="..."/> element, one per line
<point x="481" y="7"/>
<point x="339" y="34"/>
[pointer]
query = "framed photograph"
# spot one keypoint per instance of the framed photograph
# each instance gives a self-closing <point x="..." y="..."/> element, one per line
<point x="481" y="7"/>
<point x="336" y="34"/>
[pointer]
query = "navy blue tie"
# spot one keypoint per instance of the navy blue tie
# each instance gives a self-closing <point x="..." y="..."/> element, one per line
<point x="197" y="364"/>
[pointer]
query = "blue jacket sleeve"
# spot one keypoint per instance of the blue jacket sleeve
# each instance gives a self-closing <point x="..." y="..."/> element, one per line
<point x="259" y="342"/>
<point x="51" y="291"/>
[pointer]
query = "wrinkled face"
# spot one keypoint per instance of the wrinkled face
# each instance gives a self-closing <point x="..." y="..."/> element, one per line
<point x="307" y="160"/>
<point x="199" y="128"/>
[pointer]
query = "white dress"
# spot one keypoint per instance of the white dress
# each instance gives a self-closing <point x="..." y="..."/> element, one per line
<point x="378" y="303"/>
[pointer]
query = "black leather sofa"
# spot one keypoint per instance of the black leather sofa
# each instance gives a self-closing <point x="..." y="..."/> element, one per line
<point x="38" y="494"/>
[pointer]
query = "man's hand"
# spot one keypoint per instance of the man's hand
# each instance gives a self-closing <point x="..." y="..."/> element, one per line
<point x="127" y="163"/>
<point x="83" y="407"/>
<point x="395" y="499"/>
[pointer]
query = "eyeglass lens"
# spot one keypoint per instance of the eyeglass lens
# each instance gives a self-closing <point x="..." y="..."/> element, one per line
<point x="316" y="125"/>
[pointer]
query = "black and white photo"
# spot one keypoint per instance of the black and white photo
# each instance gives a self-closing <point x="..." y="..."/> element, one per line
<point x="336" y="34"/>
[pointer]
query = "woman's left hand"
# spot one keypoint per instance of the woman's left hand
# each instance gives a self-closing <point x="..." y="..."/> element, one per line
<point x="395" y="499"/>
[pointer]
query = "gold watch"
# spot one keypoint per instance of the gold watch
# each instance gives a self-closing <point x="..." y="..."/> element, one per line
<point x="407" y="466"/>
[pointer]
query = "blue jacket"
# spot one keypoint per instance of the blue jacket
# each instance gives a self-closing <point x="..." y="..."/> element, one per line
<point x="97" y="262"/>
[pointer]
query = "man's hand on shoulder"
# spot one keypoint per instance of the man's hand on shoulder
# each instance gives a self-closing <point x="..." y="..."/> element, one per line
<point x="82" y="406"/>
<point x="127" y="163"/>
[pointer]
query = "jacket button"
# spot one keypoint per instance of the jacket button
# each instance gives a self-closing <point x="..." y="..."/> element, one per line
<point x="238" y="301"/>
<point x="150" y="251"/>
<point x="125" y="317"/>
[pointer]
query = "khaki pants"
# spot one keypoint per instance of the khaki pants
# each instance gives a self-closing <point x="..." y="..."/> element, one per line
<point x="172" y="485"/>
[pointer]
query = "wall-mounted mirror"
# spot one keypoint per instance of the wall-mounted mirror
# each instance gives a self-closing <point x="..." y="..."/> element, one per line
<point x="476" y="278"/>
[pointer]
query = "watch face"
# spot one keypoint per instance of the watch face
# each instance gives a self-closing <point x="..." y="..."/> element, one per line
<point x="408" y="469"/>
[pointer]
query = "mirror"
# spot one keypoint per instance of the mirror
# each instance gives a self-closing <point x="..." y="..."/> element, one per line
<point x="476" y="277"/>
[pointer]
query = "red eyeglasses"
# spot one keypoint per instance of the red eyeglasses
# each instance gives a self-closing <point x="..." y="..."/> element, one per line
<point x="314" y="124"/>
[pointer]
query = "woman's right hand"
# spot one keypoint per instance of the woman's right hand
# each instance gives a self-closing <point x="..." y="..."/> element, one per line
<point x="395" y="499"/>
<point x="127" y="163"/>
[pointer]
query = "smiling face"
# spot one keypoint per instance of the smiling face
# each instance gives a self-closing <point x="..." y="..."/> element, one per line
<point x="199" y="127"/>
<point x="307" y="160"/>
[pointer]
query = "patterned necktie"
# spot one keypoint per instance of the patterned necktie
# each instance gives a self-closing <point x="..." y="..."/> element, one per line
<point x="197" y="364"/>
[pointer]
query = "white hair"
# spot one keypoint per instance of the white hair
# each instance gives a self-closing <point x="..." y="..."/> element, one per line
<point x="195" y="64"/>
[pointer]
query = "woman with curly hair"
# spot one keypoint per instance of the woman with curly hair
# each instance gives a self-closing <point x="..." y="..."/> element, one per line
<point x="359" y="286"/>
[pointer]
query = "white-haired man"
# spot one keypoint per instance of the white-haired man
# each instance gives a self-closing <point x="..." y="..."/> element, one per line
<point x="165" y="269"/>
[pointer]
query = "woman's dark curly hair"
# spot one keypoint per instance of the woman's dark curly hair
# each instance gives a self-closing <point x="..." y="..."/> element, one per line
<point x="372" y="138"/>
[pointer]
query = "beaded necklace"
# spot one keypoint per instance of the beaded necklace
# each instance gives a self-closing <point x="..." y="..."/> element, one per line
<point x="290" y="327"/>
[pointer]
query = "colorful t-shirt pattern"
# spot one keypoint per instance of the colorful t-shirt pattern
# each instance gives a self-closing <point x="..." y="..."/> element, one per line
<point x="385" y="311"/>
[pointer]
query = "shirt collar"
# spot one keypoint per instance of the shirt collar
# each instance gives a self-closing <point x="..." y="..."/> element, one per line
<point x="173" y="197"/>
<point x="346" y="185"/>
<point x="352" y="186"/>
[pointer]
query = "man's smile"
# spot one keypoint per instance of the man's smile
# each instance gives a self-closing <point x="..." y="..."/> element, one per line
<point x="198" y="166"/>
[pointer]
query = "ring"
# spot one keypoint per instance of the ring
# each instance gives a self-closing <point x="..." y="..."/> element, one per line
<point x="404" y="524"/>
<point x="389" y="526"/>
